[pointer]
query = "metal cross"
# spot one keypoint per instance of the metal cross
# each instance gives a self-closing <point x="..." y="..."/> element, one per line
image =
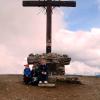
<point x="48" y="4"/>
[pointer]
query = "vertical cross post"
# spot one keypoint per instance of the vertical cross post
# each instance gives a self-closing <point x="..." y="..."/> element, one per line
<point x="49" y="29"/>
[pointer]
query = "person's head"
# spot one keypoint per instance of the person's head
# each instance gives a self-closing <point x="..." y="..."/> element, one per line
<point x="43" y="61"/>
<point x="33" y="67"/>
<point x="26" y="66"/>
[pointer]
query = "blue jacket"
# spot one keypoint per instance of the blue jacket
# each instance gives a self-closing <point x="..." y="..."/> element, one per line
<point x="27" y="72"/>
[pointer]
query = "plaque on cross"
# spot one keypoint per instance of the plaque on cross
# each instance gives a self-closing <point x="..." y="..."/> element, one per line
<point x="48" y="4"/>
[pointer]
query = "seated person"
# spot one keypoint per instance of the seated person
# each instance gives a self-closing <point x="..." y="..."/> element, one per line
<point x="43" y="71"/>
<point x="27" y="74"/>
<point x="35" y="74"/>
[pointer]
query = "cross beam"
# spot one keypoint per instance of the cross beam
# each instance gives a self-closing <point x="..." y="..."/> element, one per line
<point x="49" y="4"/>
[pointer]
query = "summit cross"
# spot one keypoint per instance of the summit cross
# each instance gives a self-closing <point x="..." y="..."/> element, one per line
<point x="49" y="4"/>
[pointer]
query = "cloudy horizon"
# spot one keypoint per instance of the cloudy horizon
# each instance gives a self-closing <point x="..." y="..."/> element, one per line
<point x="75" y="30"/>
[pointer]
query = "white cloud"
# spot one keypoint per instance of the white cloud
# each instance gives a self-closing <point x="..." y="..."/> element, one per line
<point x="81" y="46"/>
<point x="79" y="68"/>
<point x="22" y="31"/>
<point x="8" y="63"/>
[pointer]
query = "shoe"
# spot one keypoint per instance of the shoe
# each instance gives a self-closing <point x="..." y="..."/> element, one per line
<point x="40" y="82"/>
<point x="45" y="82"/>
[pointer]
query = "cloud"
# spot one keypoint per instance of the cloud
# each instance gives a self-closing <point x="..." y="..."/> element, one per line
<point x="84" y="49"/>
<point x="22" y="31"/>
<point x="79" y="68"/>
<point x="80" y="45"/>
<point x="8" y="63"/>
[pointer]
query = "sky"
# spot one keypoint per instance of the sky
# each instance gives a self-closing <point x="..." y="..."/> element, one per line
<point x="75" y="32"/>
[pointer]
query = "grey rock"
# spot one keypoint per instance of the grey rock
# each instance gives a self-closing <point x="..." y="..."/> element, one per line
<point x="54" y="61"/>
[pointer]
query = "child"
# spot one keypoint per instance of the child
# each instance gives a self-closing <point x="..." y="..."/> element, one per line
<point x="35" y="74"/>
<point x="27" y="74"/>
<point x="43" y="71"/>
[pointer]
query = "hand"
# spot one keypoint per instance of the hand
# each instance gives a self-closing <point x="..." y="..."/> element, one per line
<point x="44" y="73"/>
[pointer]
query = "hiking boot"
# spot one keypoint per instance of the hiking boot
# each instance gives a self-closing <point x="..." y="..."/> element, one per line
<point x="40" y="82"/>
<point x="45" y="82"/>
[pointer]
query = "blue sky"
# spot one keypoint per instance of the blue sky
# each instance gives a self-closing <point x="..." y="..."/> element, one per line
<point x="84" y="16"/>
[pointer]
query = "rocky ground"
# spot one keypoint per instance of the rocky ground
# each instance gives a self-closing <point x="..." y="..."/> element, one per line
<point x="12" y="88"/>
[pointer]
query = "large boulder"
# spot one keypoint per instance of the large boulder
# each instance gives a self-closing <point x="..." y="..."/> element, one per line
<point x="55" y="61"/>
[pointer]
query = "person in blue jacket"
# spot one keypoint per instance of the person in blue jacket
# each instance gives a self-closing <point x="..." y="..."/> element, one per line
<point x="27" y="74"/>
<point x="43" y="71"/>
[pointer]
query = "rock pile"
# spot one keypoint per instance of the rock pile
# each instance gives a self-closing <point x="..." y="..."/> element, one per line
<point x="55" y="61"/>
